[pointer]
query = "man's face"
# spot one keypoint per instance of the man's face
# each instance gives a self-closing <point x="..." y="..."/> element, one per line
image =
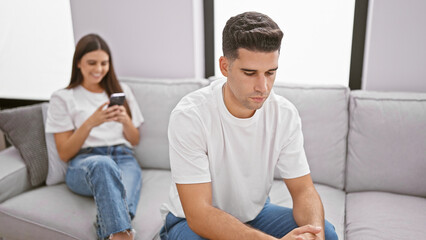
<point x="250" y="80"/>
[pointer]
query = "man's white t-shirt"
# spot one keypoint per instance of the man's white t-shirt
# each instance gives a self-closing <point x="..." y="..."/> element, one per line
<point x="70" y="108"/>
<point x="238" y="156"/>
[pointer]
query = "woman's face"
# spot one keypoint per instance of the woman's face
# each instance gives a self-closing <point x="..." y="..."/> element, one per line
<point x="94" y="66"/>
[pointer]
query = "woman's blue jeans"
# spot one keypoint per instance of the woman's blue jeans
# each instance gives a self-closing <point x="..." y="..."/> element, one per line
<point x="114" y="178"/>
<point x="274" y="220"/>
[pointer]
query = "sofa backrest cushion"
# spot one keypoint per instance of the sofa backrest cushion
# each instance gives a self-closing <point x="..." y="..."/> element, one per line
<point x="387" y="143"/>
<point x="156" y="99"/>
<point x="324" y="114"/>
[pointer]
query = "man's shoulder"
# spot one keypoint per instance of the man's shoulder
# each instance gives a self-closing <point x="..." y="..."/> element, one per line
<point x="200" y="100"/>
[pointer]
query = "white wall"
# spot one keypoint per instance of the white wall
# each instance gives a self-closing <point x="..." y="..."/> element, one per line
<point x="395" y="48"/>
<point x="158" y="39"/>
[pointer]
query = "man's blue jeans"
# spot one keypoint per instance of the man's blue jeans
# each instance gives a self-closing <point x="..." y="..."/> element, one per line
<point x="274" y="220"/>
<point x="113" y="177"/>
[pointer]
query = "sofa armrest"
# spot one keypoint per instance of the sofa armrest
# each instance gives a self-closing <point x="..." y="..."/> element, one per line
<point x="14" y="177"/>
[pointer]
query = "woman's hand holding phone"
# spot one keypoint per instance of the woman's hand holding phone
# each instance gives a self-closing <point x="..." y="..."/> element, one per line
<point x="114" y="112"/>
<point x="122" y="116"/>
<point x="103" y="114"/>
<point x="117" y="99"/>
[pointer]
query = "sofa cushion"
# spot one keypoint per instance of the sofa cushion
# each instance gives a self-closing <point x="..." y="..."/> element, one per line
<point x="157" y="98"/>
<point x="13" y="174"/>
<point x="155" y="192"/>
<point x="333" y="200"/>
<point x="387" y="143"/>
<point x="379" y="215"/>
<point x="324" y="114"/>
<point x="24" y="128"/>
<point x="57" y="168"/>
<point x="54" y="212"/>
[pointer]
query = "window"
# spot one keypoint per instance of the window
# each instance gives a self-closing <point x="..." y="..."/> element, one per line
<point x="316" y="47"/>
<point x="36" y="48"/>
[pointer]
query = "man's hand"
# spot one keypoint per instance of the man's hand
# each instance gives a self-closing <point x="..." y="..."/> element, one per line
<point x="307" y="232"/>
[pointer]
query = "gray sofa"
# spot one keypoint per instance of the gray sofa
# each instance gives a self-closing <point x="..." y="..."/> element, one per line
<point x="366" y="150"/>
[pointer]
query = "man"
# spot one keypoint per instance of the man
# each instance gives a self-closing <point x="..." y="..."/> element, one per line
<point x="225" y="142"/>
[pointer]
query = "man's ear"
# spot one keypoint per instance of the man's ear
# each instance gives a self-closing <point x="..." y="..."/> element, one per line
<point x="223" y="65"/>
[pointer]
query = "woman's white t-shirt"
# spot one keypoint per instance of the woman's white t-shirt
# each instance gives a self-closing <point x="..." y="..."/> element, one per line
<point x="70" y="108"/>
<point x="238" y="156"/>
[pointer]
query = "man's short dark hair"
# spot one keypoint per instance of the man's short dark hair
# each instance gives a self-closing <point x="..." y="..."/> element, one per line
<point x="250" y="30"/>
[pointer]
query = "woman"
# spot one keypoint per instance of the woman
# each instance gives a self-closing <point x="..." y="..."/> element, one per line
<point x="96" y="140"/>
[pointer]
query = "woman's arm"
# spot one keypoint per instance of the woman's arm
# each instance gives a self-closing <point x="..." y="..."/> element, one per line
<point x="131" y="133"/>
<point x="70" y="142"/>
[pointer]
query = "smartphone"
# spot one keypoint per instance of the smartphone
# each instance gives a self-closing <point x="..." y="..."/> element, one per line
<point x="116" y="99"/>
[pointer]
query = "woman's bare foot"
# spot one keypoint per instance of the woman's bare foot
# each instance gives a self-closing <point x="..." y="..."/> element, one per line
<point x="127" y="235"/>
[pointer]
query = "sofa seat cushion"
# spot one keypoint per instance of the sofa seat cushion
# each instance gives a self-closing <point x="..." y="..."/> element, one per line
<point x="333" y="200"/>
<point x="155" y="192"/>
<point x="54" y="212"/>
<point x="380" y="215"/>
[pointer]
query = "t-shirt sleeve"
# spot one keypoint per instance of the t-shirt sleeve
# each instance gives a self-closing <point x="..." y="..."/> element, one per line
<point x="59" y="118"/>
<point x="188" y="149"/>
<point x="137" y="117"/>
<point x="292" y="162"/>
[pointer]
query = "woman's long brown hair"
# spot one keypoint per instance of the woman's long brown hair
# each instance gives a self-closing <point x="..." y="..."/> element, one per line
<point x="109" y="83"/>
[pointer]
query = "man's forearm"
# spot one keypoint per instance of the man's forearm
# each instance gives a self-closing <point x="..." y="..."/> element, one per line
<point x="217" y="224"/>
<point x="308" y="209"/>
